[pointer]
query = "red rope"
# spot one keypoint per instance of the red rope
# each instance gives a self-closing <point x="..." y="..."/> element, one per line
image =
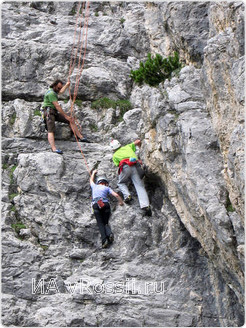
<point x="86" y="164"/>
<point x="82" y="45"/>
<point x="73" y="57"/>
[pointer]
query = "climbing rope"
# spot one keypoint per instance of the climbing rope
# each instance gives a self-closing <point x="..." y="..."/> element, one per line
<point x="79" y="45"/>
<point x="74" y="55"/>
<point x="83" y="46"/>
<point x="86" y="164"/>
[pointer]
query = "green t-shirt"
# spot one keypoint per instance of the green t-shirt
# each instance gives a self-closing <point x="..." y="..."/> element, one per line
<point x="49" y="97"/>
<point x="124" y="152"/>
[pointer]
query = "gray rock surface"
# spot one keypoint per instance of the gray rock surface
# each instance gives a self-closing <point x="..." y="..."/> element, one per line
<point x="184" y="265"/>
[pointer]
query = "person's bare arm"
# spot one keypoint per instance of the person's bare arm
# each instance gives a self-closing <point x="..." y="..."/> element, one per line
<point x="64" y="88"/>
<point x="137" y="143"/>
<point x="93" y="176"/>
<point x="60" y="110"/>
<point x="120" y="200"/>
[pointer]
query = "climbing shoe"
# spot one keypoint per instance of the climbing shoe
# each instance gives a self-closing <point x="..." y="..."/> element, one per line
<point x="147" y="211"/>
<point x="58" y="151"/>
<point x="128" y="199"/>
<point x="111" y="238"/>
<point x="105" y="243"/>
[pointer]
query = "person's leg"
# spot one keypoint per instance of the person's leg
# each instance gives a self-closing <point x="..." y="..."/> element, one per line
<point x="106" y="215"/>
<point x="140" y="189"/>
<point x="75" y="130"/>
<point x="100" y="222"/>
<point x="108" y="230"/>
<point x="50" y="122"/>
<point x="123" y="179"/>
<point x="51" y="139"/>
<point x="73" y="126"/>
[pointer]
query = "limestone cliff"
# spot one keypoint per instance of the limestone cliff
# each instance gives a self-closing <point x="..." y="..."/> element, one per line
<point x="192" y="129"/>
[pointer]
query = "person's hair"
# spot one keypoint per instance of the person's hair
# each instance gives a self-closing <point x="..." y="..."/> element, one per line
<point x="103" y="182"/>
<point x="55" y="83"/>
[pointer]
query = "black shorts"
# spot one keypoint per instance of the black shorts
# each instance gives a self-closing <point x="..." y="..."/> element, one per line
<point x="51" y="115"/>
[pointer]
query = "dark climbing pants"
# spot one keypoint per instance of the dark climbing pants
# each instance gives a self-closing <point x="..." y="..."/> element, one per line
<point x="102" y="216"/>
<point x="51" y="115"/>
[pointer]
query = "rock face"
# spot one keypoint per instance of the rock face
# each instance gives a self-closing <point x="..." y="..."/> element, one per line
<point x="184" y="265"/>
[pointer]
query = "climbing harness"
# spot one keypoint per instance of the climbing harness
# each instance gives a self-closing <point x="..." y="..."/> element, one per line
<point x="132" y="162"/>
<point x="43" y="125"/>
<point x="126" y="161"/>
<point x="100" y="203"/>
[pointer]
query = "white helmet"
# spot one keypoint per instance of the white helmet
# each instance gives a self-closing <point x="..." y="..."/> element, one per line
<point x="114" y="144"/>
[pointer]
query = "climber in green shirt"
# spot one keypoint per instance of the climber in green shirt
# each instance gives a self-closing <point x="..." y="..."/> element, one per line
<point x="127" y="151"/>
<point x="129" y="170"/>
<point x="53" y="112"/>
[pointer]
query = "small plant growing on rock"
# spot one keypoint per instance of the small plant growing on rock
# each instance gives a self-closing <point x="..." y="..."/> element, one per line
<point x="44" y="247"/>
<point x="18" y="226"/>
<point x="229" y="206"/>
<point x="94" y="127"/>
<point x="12" y="196"/>
<point x="37" y="112"/>
<point x="5" y="166"/>
<point x="124" y="106"/>
<point x="156" y="69"/>
<point x="11" y="174"/>
<point x="103" y="103"/>
<point x="78" y="102"/>
<point x="13" y="118"/>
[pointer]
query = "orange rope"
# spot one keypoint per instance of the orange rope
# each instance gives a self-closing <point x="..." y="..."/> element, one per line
<point x="83" y="45"/>
<point x="73" y="57"/>
<point x="81" y="66"/>
<point x="86" y="164"/>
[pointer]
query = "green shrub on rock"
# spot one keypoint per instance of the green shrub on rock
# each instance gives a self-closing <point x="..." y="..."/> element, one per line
<point x="105" y="103"/>
<point x="156" y="69"/>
